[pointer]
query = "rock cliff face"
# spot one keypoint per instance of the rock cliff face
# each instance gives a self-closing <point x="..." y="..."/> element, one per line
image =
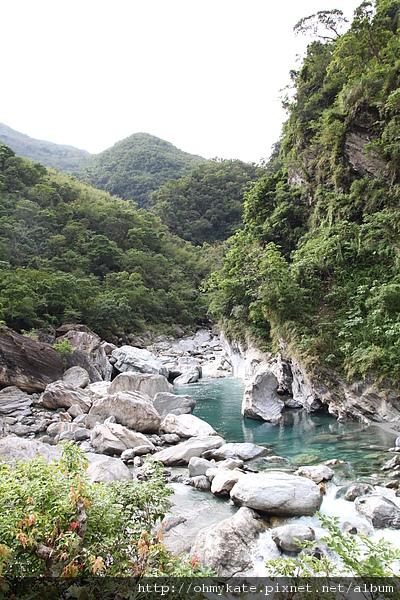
<point x="323" y="389"/>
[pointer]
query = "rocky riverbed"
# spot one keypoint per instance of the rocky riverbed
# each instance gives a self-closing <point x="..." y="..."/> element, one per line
<point x="120" y="405"/>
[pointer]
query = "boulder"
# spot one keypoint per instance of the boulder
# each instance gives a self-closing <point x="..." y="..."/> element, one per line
<point x="242" y="451"/>
<point x="356" y="490"/>
<point x="17" y="449"/>
<point x="381" y="512"/>
<point x="285" y="536"/>
<point x="227" y="547"/>
<point x="200" y="482"/>
<point x="27" y="364"/>
<point x="260" y="400"/>
<point x="14" y="402"/>
<point x="129" y="358"/>
<point x="278" y="493"/>
<point x="98" y="389"/>
<point x="107" y="469"/>
<point x="61" y="395"/>
<point x="190" y="376"/>
<point x="88" y="352"/>
<point x="198" y="466"/>
<point x="186" y="426"/>
<point x="147" y="383"/>
<point x="76" y="377"/>
<point x="182" y="453"/>
<point x="132" y="409"/>
<point x="112" y="438"/>
<point x="57" y="429"/>
<point x="317" y="473"/>
<point x="167" y="403"/>
<point x="224" y="480"/>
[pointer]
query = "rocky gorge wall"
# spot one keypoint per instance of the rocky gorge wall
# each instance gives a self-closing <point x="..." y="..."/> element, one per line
<point x="366" y="401"/>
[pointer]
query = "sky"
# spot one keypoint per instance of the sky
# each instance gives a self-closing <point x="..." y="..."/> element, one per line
<point x="204" y="75"/>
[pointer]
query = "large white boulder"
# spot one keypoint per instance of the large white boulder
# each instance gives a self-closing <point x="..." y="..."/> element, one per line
<point x="147" y="383"/>
<point x="186" y="426"/>
<point x="381" y="512"/>
<point x="166" y="403"/>
<point x="105" y="468"/>
<point x="129" y="358"/>
<point x="13" y="448"/>
<point x="62" y="395"/>
<point x="260" y="400"/>
<point x="228" y="547"/>
<point x="14" y="402"/>
<point x="182" y="453"/>
<point x="132" y="409"/>
<point x="112" y="438"/>
<point x="243" y="451"/>
<point x="278" y="493"/>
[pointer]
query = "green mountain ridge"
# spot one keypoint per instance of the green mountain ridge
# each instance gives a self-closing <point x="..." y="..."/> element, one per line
<point x="64" y="158"/>
<point x="132" y="169"/>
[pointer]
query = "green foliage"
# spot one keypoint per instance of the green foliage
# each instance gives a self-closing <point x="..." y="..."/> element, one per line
<point x="354" y="556"/>
<point x="329" y="284"/>
<point x="137" y="166"/>
<point x="69" y="252"/>
<point x="64" y="349"/>
<point x="54" y="522"/>
<point x="207" y="205"/>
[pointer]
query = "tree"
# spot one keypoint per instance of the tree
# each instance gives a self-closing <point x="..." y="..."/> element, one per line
<point x="325" y="24"/>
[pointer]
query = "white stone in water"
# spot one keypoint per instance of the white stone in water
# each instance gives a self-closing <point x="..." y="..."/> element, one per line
<point x="260" y="400"/>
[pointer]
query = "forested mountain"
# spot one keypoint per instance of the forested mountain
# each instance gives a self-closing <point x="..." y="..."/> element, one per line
<point x="64" y="158"/>
<point x="207" y="204"/>
<point x="71" y="253"/>
<point x="132" y="169"/>
<point x="137" y="166"/>
<point x="317" y="264"/>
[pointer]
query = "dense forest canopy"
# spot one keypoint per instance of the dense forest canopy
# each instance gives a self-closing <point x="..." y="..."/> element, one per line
<point x="207" y="204"/>
<point x="137" y="166"/>
<point x="317" y="263"/>
<point x="71" y="253"/>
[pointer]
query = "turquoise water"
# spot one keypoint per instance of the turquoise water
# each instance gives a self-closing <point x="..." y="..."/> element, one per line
<point x="299" y="437"/>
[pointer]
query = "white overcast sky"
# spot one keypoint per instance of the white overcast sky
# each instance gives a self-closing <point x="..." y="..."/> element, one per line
<point x="204" y="75"/>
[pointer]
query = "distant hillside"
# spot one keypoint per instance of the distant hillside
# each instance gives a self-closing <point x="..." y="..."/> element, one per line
<point x="207" y="204"/>
<point x="64" y="158"/>
<point x="137" y="166"/>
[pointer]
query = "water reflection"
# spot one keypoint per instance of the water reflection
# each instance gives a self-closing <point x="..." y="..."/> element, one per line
<point x="301" y="437"/>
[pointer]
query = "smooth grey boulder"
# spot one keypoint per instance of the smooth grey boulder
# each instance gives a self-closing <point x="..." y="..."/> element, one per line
<point x="230" y="463"/>
<point x="147" y="383"/>
<point x="224" y="480"/>
<point x="317" y="473"/>
<point x="285" y="536"/>
<point x="61" y="395"/>
<point x="87" y="352"/>
<point x="14" y="402"/>
<point x="200" y="482"/>
<point x="198" y="466"/>
<point x="76" y="377"/>
<point x="129" y="358"/>
<point x="182" y="453"/>
<point x="167" y="403"/>
<point x="132" y="409"/>
<point x="14" y="449"/>
<point x="381" y="512"/>
<point x="112" y="438"/>
<point x="242" y="451"/>
<point x="107" y="469"/>
<point x="191" y="376"/>
<point x="356" y="490"/>
<point x="57" y="429"/>
<point x="260" y="400"/>
<point x="186" y="426"/>
<point x="228" y="546"/>
<point x="278" y="493"/>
